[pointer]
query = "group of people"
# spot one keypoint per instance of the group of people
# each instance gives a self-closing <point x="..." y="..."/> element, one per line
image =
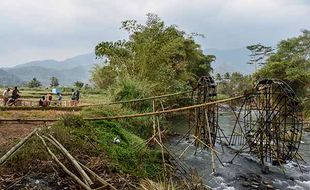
<point x="10" y="98"/>
<point x="46" y="101"/>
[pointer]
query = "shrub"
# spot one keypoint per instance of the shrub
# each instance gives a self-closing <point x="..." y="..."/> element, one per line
<point x="133" y="89"/>
<point x="71" y="120"/>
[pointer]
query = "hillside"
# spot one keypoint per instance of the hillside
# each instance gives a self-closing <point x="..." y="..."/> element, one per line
<point x="78" y="68"/>
<point x="8" y="78"/>
<point x="67" y="71"/>
<point x="86" y="60"/>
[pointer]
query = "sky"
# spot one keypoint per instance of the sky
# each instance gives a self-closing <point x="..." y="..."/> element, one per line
<point x="59" y="29"/>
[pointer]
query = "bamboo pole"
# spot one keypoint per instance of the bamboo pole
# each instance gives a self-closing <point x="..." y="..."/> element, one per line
<point x="161" y="142"/>
<point x="104" y="182"/>
<point x="75" y="163"/>
<point x="132" y="115"/>
<point x="206" y="144"/>
<point x="186" y="149"/>
<point x="63" y="166"/>
<point x="166" y="111"/>
<point x="141" y="99"/>
<point x="16" y="147"/>
<point x="210" y="141"/>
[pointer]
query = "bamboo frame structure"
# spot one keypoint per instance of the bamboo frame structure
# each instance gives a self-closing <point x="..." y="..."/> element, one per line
<point x="270" y="123"/>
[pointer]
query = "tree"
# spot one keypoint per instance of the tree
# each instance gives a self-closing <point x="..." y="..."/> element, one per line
<point x="79" y="84"/>
<point x="290" y="63"/>
<point x="34" y="83"/>
<point x="227" y="76"/>
<point x="218" y="77"/>
<point x="237" y="85"/>
<point x="156" y="53"/>
<point x="103" y="76"/>
<point x="54" y="82"/>
<point x="259" y="54"/>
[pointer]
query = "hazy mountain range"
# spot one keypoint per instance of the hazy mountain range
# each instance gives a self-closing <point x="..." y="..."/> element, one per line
<point x="78" y="68"/>
<point x="68" y="71"/>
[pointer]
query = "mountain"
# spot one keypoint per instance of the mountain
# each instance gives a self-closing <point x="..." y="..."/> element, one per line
<point x="67" y="71"/>
<point x="86" y="60"/>
<point x="231" y="60"/>
<point x="7" y="79"/>
<point x="78" y="68"/>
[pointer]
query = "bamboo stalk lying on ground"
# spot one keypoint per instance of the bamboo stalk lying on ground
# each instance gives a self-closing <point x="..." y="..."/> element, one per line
<point x="57" y="145"/>
<point x="16" y="147"/>
<point x="104" y="182"/>
<point x="85" y="177"/>
<point x="63" y="166"/>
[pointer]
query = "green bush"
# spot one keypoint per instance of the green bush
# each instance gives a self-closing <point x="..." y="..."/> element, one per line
<point x="131" y="155"/>
<point x="71" y="120"/>
<point x="130" y="89"/>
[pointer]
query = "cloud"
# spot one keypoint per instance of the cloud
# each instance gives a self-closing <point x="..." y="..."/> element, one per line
<point x="36" y="29"/>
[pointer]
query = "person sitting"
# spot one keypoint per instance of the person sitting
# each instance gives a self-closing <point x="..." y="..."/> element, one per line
<point x="15" y="94"/>
<point x="43" y="102"/>
<point x="49" y="98"/>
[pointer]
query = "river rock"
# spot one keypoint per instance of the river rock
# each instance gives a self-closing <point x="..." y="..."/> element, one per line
<point x="254" y="186"/>
<point x="246" y="184"/>
<point x="269" y="187"/>
<point x="265" y="170"/>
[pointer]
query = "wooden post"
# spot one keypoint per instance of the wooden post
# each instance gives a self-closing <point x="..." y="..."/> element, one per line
<point x="210" y="141"/>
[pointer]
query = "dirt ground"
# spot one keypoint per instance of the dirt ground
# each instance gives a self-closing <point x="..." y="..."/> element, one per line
<point x="10" y="133"/>
<point x="47" y="174"/>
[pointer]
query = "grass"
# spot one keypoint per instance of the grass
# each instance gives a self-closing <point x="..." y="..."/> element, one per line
<point x="95" y="139"/>
<point x="131" y="155"/>
<point x="30" y="114"/>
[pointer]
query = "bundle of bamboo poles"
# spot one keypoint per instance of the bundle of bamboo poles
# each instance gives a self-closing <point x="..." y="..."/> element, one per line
<point x="86" y="181"/>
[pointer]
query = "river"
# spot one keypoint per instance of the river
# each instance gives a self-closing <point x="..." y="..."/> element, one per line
<point x="245" y="171"/>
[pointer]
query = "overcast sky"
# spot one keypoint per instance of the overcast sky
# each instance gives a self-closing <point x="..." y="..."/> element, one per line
<point x="58" y="29"/>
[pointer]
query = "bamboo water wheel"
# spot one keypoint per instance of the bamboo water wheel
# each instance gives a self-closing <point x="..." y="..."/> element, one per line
<point x="206" y="118"/>
<point x="272" y="122"/>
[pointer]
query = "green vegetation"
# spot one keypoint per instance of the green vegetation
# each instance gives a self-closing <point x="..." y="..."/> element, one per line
<point x="155" y="53"/>
<point x="34" y="83"/>
<point x="79" y="84"/>
<point x="54" y="82"/>
<point x="234" y="84"/>
<point x="131" y="156"/>
<point x="291" y="63"/>
<point x="259" y="54"/>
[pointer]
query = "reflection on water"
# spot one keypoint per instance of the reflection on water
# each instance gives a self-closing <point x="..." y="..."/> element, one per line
<point x="244" y="168"/>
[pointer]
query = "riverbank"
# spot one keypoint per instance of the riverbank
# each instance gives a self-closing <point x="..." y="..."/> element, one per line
<point x="245" y="171"/>
<point x="122" y="164"/>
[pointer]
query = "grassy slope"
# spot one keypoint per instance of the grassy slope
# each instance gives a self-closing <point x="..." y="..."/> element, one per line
<point x="87" y="141"/>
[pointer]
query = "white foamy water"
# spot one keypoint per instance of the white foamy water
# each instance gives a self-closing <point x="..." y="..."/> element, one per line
<point x="233" y="176"/>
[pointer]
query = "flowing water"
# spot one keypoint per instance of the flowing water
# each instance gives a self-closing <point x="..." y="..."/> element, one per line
<point x="245" y="171"/>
